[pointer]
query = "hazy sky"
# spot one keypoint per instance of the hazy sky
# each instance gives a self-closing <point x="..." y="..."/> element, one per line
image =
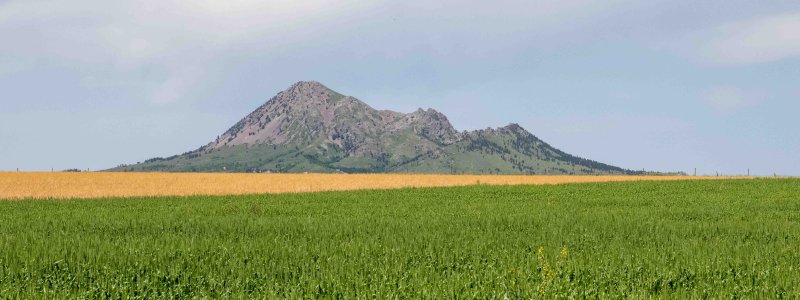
<point x="659" y="85"/>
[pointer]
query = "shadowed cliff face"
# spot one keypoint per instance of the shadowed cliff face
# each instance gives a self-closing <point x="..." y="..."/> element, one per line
<point x="309" y="127"/>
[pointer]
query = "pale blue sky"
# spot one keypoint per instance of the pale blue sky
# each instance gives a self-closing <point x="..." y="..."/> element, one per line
<point x="659" y="85"/>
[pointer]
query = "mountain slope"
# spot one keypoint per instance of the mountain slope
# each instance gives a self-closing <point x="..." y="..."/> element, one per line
<point x="311" y="128"/>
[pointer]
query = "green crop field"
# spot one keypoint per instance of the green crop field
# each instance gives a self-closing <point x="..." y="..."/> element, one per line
<point x="686" y="239"/>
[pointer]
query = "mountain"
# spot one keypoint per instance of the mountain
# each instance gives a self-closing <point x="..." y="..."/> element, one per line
<point x="311" y="128"/>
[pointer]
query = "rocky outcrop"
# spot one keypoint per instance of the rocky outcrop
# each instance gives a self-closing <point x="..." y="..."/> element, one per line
<point x="309" y="127"/>
<point x="309" y="111"/>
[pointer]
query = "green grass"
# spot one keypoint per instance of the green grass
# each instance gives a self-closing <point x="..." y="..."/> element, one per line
<point x="685" y="239"/>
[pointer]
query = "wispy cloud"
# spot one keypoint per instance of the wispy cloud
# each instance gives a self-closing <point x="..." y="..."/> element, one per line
<point x="158" y="43"/>
<point x="756" y="40"/>
<point x="728" y="99"/>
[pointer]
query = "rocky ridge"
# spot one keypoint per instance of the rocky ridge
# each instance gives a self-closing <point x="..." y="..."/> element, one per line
<point x="311" y="128"/>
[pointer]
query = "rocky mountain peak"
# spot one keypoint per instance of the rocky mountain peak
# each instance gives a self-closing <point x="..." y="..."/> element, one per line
<point x="306" y="112"/>
<point x="311" y="128"/>
<point x="308" y="87"/>
<point x="433" y="125"/>
<point x="513" y="128"/>
<point x="303" y="92"/>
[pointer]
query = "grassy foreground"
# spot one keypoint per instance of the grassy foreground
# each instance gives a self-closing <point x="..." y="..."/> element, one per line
<point x="722" y="239"/>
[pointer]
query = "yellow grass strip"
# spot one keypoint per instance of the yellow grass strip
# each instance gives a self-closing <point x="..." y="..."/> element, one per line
<point x="94" y="185"/>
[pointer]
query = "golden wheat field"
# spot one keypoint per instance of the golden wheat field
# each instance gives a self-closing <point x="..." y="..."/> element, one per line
<point x="98" y="184"/>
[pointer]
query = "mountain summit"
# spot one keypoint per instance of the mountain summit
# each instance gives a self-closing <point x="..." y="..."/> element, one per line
<point x="311" y="128"/>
